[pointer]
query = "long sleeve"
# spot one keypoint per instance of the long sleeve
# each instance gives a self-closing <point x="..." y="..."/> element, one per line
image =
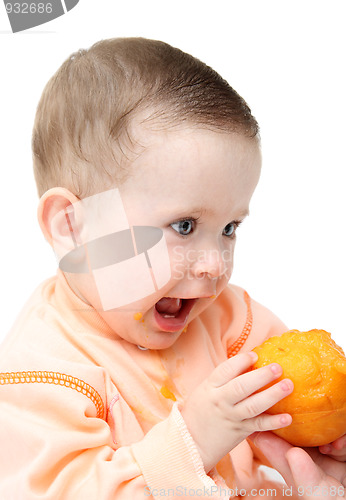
<point x="83" y="413"/>
<point x="55" y="446"/>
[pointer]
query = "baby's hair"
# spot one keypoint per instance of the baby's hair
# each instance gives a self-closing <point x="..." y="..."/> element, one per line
<point x="82" y="130"/>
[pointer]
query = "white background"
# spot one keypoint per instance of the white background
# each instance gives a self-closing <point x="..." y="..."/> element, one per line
<point x="287" y="59"/>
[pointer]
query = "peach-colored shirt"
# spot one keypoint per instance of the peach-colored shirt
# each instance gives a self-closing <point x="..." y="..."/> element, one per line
<point x="86" y="415"/>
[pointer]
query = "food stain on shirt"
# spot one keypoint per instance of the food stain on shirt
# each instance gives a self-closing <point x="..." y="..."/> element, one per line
<point x="168" y="394"/>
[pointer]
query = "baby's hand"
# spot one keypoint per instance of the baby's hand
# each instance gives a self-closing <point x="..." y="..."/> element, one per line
<point x="336" y="449"/>
<point x="223" y="410"/>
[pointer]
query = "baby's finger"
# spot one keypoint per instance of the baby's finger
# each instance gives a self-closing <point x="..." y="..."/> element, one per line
<point x="266" y="422"/>
<point x="248" y="383"/>
<point x="260" y="402"/>
<point x="231" y="368"/>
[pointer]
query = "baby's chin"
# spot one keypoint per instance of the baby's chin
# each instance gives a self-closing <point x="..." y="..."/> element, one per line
<point x="155" y="337"/>
<point x="151" y="331"/>
<point x="142" y="324"/>
<point x="158" y="341"/>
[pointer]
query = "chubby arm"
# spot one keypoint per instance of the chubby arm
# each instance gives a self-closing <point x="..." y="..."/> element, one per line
<point x="54" y="445"/>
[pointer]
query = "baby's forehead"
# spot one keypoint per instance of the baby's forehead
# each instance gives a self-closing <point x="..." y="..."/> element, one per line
<point x="164" y="160"/>
<point x="178" y="163"/>
<point x="150" y="128"/>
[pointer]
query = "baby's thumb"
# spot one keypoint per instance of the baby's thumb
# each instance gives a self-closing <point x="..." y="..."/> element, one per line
<point x="231" y="368"/>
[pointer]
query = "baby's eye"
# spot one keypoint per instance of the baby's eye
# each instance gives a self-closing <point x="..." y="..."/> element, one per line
<point x="230" y="229"/>
<point x="184" y="227"/>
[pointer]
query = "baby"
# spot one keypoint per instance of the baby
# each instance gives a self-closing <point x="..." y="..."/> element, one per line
<point x="128" y="374"/>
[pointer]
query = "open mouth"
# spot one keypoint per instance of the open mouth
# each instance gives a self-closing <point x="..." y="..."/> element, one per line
<point x="171" y="314"/>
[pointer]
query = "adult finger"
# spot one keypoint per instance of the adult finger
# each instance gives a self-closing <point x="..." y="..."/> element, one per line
<point x="310" y="479"/>
<point x="304" y="470"/>
<point x="329" y="465"/>
<point x="275" y="449"/>
<point x="336" y="449"/>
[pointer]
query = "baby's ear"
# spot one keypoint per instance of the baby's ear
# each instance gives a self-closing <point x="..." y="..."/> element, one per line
<point x="56" y="216"/>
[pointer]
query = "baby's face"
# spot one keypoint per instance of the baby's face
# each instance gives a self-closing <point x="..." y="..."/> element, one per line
<point x="195" y="185"/>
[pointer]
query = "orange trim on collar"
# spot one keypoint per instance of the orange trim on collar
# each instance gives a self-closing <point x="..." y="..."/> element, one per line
<point x="234" y="348"/>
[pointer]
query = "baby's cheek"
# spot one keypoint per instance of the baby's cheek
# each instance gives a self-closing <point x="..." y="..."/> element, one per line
<point x="228" y="269"/>
<point x="223" y="282"/>
<point x="178" y="270"/>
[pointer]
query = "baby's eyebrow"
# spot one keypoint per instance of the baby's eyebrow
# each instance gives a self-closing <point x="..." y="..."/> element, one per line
<point x="244" y="213"/>
<point x="197" y="211"/>
<point x="186" y="211"/>
<point x="202" y="211"/>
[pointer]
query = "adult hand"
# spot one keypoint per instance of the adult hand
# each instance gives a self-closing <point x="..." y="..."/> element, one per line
<point x="307" y="471"/>
<point x="336" y="449"/>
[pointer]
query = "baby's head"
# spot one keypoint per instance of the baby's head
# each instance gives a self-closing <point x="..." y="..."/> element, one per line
<point x="84" y="128"/>
<point x="139" y="126"/>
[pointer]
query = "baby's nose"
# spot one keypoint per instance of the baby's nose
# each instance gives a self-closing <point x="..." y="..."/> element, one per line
<point x="210" y="263"/>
